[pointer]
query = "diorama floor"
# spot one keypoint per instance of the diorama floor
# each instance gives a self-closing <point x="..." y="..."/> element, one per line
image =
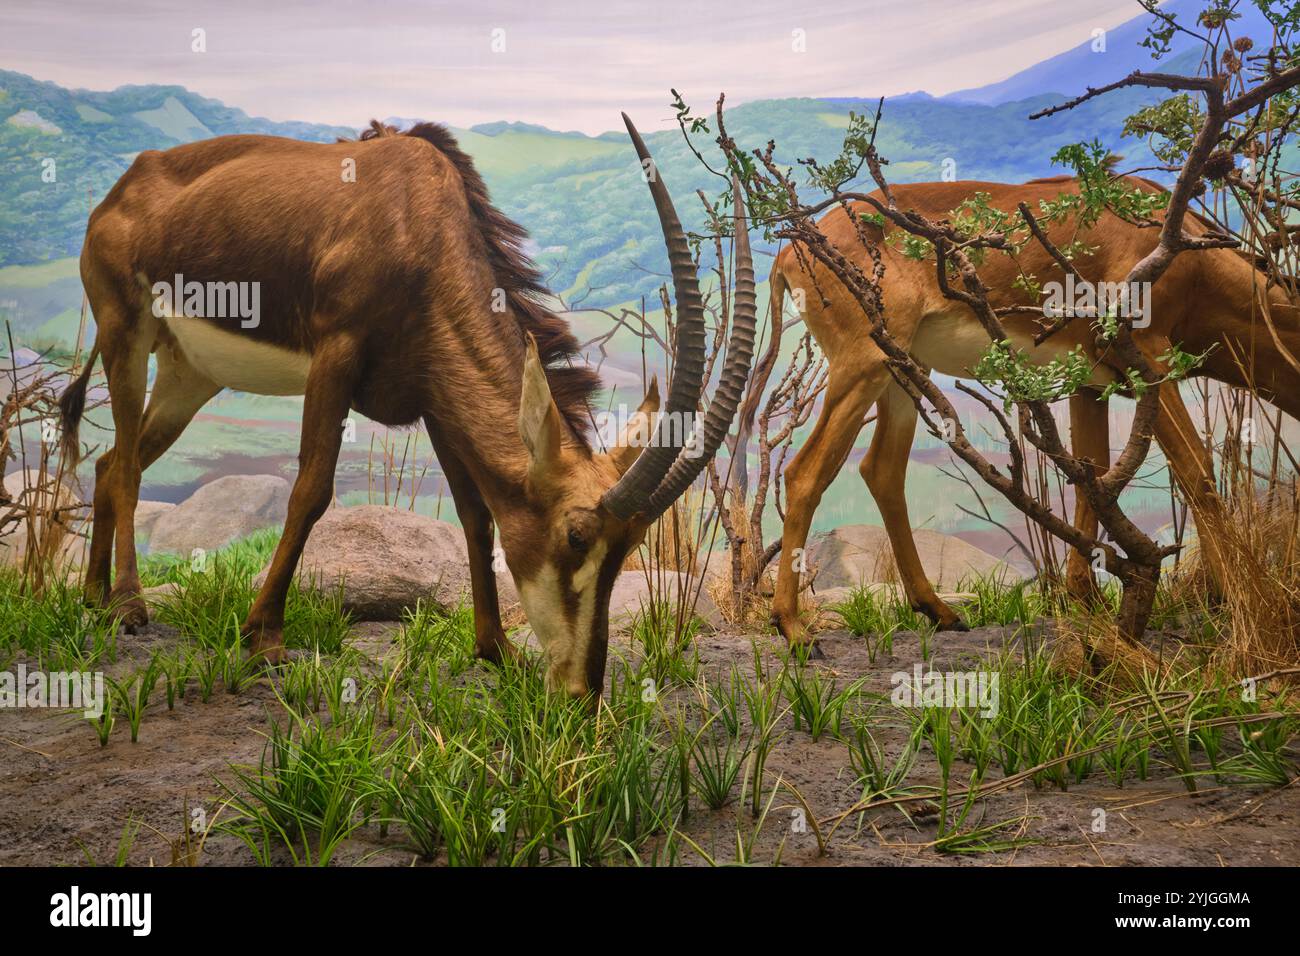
<point x="64" y="800"/>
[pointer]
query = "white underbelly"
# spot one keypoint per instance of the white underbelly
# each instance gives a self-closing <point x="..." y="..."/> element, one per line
<point x="234" y="360"/>
<point x="952" y="344"/>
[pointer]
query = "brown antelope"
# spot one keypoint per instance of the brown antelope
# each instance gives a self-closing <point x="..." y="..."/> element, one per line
<point x="1208" y="299"/>
<point x="400" y="292"/>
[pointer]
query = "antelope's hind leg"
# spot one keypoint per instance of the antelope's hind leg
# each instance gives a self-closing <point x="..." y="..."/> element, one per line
<point x="884" y="469"/>
<point x="179" y="391"/>
<point x="124" y="346"/>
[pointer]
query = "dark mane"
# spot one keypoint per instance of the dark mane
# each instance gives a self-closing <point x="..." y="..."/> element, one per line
<point x="572" y="381"/>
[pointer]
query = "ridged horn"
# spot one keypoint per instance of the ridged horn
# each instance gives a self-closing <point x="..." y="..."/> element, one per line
<point x="735" y="373"/>
<point x="632" y="492"/>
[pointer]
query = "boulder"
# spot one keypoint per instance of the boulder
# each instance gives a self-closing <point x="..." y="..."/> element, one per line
<point x="221" y="512"/>
<point x="886" y="592"/>
<point x="21" y="485"/>
<point x="860" y="554"/>
<point x="631" y="592"/>
<point x="147" y="514"/>
<point x="387" y="559"/>
<point x="162" y="593"/>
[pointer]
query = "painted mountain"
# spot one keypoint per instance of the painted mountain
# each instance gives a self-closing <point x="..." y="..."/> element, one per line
<point x="580" y="197"/>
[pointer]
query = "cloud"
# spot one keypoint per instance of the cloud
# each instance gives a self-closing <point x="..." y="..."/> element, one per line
<point x="338" y="61"/>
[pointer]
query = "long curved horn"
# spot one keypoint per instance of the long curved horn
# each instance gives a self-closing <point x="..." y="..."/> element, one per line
<point x="735" y="373"/>
<point x="632" y="492"/>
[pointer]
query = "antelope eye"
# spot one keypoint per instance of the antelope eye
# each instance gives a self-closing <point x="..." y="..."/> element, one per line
<point x="576" y="541"/>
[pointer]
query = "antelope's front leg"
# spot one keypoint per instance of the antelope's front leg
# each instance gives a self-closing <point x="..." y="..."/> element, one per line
<point x="329" y="391"/>
<point x="884" y="469"/>
<point x="1193" y="469"/>
<point x="490" y="641"/>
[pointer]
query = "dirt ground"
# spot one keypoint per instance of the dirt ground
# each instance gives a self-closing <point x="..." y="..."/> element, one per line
<point x="64" y="800"/>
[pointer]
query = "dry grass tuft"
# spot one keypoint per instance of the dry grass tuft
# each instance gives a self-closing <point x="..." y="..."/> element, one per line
<point x="672" y="542"/>
<point x="1258" y="608"/>
<point x="1089" y="644"/>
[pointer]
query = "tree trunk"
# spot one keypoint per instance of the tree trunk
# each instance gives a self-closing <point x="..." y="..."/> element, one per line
<point x="1139" y="596"/>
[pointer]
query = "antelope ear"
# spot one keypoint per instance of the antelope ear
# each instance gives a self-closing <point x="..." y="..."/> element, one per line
<point x="638" y="431"/>
<point x="539" y="419"/>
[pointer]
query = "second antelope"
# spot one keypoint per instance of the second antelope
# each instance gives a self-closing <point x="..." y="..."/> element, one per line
<point x="1208" y="301"/>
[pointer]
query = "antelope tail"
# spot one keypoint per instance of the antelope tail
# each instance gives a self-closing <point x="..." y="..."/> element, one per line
<point x="71" y="405"/>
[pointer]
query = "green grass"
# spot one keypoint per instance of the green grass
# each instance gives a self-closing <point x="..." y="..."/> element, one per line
<point x="880" y="617"/>
<point x="815" y="703"/>
<point x="1000" y="602"/>
<point x="420" y="748"/>
<point x="668" y="650"/>
<point x="314" y="787"/>
<point x="244" y="557"/>
<point x="468" y="766"/>
<point x="211" y="602"/>
<point x="53" y="630"/>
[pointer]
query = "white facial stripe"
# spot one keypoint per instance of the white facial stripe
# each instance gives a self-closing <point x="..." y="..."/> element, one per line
<point x="585" y="576"/>
<point x="540" y="596"/>
<point x="566" y="647"/>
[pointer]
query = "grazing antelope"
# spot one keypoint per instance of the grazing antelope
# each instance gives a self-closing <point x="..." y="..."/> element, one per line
<point x="402" y="293"/>
<point x="1208" y="299"/>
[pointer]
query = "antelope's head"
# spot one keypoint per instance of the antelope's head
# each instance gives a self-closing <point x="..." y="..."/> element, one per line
<point x="584" y="511"/>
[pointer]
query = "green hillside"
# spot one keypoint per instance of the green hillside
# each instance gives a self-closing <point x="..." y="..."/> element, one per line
<point x="594" y="231"/>
<point x="580" y="197"/>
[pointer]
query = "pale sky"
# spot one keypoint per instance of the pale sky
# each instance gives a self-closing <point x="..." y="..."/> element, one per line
<point x="568" y="65"/>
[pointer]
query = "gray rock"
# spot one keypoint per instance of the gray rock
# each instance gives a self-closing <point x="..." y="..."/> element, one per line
<point x="220" y="512"/>
<point x="860" y="554"/>
<point x="388" y="559"/>
<point x="632" y="592"/>
<point x="162" y="593"/>
<point x="147" y="514"/>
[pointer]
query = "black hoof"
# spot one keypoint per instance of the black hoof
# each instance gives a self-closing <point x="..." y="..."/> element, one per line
<point x="266" y="654"/>
<point x="808" y="652"/>
<point x="134" y="620"/>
